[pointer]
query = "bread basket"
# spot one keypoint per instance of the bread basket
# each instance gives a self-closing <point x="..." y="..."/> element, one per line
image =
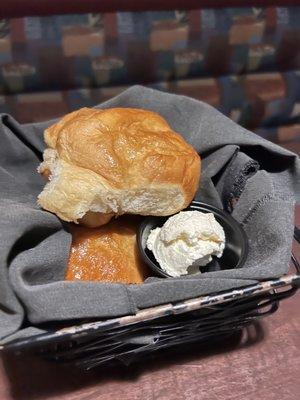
<point x="145" y="318"/>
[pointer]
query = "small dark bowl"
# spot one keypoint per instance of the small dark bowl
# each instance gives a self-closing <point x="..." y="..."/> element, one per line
<point x="236" y="241"/>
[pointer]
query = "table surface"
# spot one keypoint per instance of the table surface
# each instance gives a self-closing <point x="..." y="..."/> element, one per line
<point x="263" y="362"/>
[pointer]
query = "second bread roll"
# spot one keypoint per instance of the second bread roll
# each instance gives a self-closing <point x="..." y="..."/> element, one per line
<point x="107" y="254"/>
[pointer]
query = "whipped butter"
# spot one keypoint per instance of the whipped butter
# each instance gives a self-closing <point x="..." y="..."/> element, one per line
<point x="187" y="239"/>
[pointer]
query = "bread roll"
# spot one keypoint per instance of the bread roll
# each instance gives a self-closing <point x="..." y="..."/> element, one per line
<point x="117" y="161"/>
<point x="107" y="254"/>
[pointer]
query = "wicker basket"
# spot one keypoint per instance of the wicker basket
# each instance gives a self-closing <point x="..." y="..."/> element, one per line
<point x="130" y="338"/>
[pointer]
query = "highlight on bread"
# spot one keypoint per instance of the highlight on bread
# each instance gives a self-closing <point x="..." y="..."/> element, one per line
<point x="107" y="254"/>
<point x="105" y="163"/>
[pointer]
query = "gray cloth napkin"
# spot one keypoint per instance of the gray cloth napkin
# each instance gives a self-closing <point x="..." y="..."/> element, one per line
<point x="241" y="172"/>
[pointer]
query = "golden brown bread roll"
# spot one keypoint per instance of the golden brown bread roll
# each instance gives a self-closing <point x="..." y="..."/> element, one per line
<point x="117" y="161"/>
<point x="108" y="253"/>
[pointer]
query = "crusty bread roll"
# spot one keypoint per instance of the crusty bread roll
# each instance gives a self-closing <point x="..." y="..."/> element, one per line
<point x="107" y="254"/>
<point x="102" y="163"/>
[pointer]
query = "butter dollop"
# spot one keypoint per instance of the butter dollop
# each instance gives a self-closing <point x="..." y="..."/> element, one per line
<point x="187" y="239"/>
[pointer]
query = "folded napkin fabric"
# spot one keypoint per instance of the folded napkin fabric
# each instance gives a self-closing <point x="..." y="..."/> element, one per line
<point x="246" y="175"/>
